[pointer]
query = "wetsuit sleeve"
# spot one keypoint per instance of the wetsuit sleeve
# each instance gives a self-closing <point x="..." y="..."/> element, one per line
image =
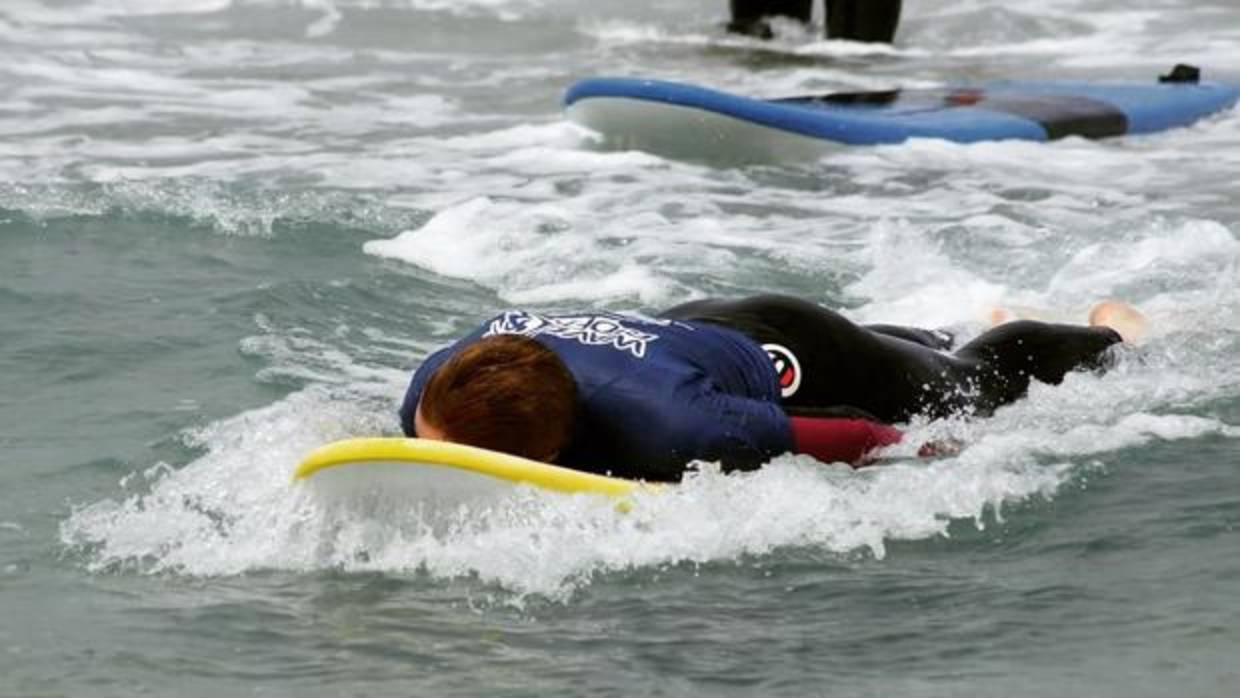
<point x="657" y="439"/>
<point x="835" y="439"/>
<point x="414" y="392"/>
<point x="740" y="432"/>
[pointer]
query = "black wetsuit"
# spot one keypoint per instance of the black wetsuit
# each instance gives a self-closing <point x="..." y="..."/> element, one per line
<point x="893" y="373"/>
<point x="856" y="20"/>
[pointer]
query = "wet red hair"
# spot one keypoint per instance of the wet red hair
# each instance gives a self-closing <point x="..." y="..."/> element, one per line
<point x="506" y="393"/>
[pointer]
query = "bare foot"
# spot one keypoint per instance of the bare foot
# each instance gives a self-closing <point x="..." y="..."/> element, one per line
<point x="1000" y="314"/>
<point x="1121" y="317"/>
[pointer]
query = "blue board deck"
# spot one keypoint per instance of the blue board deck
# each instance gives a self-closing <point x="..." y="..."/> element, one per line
<point x="627" y="108"/>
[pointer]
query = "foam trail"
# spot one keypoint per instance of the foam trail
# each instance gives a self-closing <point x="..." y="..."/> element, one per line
<point x="234" y="510"/>
<point x="523" y="249"/>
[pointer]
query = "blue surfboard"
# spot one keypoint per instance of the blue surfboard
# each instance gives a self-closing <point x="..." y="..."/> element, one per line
<point x="689" y="120"/>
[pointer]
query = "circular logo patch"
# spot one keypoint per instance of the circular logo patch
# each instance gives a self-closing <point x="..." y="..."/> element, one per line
<point x="786" y="367"/>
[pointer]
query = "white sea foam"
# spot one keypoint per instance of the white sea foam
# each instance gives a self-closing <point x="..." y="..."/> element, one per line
<point x="594" y="247"/>
<point x="1165" y="258"/>
<point x="910" y="275"/>
<point x="513" y="247"/>
<point x="234" y="510"/>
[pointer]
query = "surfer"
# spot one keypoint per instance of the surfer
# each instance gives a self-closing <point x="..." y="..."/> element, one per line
<point x="734" y="381"/>
<point x="855" y="20"/>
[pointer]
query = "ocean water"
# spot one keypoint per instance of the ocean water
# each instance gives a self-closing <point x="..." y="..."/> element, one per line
<point x="229" y="230"/>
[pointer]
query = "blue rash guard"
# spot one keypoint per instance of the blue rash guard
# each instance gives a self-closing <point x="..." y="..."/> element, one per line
<point x="654" y="394"/>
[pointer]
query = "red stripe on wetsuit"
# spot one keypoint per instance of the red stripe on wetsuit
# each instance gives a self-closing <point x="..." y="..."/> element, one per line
<point x="835" y="439"/>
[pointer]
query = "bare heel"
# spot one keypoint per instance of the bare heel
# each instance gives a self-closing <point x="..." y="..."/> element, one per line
<point x="1121" y="317"/>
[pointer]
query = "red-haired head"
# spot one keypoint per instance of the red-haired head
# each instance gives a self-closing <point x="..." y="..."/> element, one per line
<point x="506" y="393"/>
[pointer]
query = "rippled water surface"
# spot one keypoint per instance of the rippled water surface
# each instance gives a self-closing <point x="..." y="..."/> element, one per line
<point x="229" y="230"/>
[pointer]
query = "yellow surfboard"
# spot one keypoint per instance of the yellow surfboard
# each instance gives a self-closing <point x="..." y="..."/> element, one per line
<point x="425" y="453"/>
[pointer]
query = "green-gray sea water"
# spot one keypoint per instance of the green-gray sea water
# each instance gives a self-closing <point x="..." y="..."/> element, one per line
<point x="230" y="229"/>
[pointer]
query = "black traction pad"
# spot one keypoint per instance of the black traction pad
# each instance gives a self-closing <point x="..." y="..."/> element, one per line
<point x="1059" y="115"/>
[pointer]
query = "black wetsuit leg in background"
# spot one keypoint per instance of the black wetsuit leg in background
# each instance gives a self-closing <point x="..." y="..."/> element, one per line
<point x="863" y="20"/>
<point x="886" y="372"/>
<point x="858" y="20"/>
<point x="749" y="16"/>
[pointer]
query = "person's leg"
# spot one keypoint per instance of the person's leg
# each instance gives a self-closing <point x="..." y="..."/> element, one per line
<point x="935" y="339"/>
<point x="1006" y="357"/>
<point x="827" y="361"/>
<point x="863" y="20"/>
<point x="749" y="16"/>
<point x="1131" y="324"/>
